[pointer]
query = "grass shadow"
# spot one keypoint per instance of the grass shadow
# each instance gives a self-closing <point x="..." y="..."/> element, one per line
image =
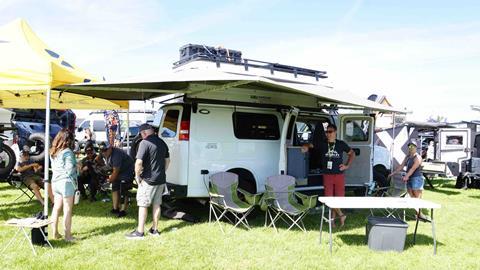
<point x="474" y="196"/>
<point x="361" y="240"/>
<point x="444" y="191"/>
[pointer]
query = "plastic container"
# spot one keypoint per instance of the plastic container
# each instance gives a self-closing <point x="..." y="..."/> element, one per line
<point x="386" y="233"/>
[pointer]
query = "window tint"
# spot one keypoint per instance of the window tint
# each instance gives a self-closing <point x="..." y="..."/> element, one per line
<point x="455" y="140"/>
<point x="255" y="126"/>
<point x="85" y="125"/>
<point x="356" y="130"/>
<point x="98" y="125"/>
<point x="170" y="124"/>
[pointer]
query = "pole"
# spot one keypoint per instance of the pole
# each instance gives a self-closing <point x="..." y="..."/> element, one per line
<point x="47" y="152"/>
<point x="127" y="132"/>
<point x="392" y="150"/>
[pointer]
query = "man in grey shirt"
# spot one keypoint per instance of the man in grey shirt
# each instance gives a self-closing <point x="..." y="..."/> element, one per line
<point x="152" y="161"/>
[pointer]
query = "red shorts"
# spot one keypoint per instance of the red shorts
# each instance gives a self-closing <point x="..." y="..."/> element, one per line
<point x="334" y="185"/>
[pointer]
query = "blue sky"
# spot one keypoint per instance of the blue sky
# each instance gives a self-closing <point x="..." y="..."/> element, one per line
<point x="424" y="55"/>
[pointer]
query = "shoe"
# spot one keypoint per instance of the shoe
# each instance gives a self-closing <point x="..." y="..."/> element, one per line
<point x="121" y="214"/>
<point x="135" y="235"/>
<point x="114" y="211"/>
<point x="153" y="232"/>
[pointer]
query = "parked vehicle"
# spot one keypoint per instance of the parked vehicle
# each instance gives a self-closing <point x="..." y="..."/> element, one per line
<point x="249" y="117"/>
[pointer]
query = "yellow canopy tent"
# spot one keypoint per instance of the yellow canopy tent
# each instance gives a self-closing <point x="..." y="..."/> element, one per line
<point x="28" y="72"/>
<point x="28" y="68"/>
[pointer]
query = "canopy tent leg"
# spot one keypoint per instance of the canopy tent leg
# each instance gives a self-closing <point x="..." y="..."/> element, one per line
<point x="47" y="153"/>
<point x="127" y="132"/>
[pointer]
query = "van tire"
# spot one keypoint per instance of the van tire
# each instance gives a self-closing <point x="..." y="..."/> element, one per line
<point x="34" y="138"/>
<point x="8" y="167"/>
<point x="380" y="175"/>
<point x="246" y="180"/>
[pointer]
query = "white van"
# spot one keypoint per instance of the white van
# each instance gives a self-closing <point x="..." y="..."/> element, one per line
<point x="248" y="117"/>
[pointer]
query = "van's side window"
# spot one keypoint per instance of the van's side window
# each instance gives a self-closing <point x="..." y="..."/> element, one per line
<point x="98" y="125"/>
<point x="255" y="126"/>
<point x="357" y="130"/>
<point x="85" y="125"/>
<point x="170" y="124"/>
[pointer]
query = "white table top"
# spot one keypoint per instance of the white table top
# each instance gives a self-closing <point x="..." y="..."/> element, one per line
<point x="377" y="203"/>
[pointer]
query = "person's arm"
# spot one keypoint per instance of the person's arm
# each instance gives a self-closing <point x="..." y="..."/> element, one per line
<point x="351" y="157"/>
<point x="24" y="168"/>
<point x="113" y="177"/>
<point x="400" y="167"/>
<point x="70" y="164"/>
<point x="167" y="163"/>
<point x="416" y="163"/>
<point x="138" y="170"/>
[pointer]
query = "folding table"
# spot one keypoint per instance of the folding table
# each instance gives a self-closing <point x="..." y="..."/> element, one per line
<point x="376" y="203"/>
<point x="31" y="223"/>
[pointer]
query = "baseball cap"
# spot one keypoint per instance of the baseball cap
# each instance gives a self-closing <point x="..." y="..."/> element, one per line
<point x="144" y="127"/>
<point x="102" y="146"/>
<point x="412" y="143"/>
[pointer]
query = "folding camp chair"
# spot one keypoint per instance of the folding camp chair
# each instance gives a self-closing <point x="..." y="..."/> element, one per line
<point x="281" y="202"/>
<point x="396" y="188"/>
<point x="16" y="181"/>
<point x="224" y="200"/>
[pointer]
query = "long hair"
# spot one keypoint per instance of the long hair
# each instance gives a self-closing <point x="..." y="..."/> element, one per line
<point x="64" y="139"/>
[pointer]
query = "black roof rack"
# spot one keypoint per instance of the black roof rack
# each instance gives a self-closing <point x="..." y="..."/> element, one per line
<point x="193" y="52"/>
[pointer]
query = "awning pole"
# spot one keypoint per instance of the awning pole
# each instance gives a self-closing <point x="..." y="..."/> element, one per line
<point x="127" y="132"/>
<point x="47" y="152"/>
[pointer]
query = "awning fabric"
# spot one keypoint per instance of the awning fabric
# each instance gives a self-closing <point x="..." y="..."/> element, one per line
<point x="28" y="68"/>
<point x="229" y="87"/>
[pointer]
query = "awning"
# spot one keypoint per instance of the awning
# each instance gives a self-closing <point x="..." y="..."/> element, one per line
<point x="28" y="68"/>
<point x="212" y="84"/>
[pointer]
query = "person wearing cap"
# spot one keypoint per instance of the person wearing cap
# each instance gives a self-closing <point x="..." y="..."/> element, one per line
<point x="87" y="174"/>
<point x="121" y="178"/>
<point x="413" y="176"/>
<point x="152" y="160"/>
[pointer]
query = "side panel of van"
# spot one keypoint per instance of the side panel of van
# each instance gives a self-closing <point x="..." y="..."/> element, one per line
<point x="215" y="146"/>
<point x="357" y="132"/>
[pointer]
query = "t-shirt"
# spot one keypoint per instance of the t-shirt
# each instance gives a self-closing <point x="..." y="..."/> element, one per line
<point x="28" y="172"/>
<point x="121" y="160"/>
<point x="335" y="155"/>
<point x="153" y="151"/>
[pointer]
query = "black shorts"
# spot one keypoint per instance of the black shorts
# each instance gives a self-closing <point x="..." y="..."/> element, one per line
<point x="122" y="185"/>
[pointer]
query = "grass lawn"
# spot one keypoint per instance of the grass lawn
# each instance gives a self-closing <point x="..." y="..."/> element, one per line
<point x="182" y="245"/>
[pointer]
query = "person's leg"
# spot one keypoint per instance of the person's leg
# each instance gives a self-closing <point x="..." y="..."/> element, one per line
<point x="142" y="218"/>
<point x="157" y="202"/>
<point x="328" y="191"/>
<point x="36" y="190"/>
<point x="57" y="207"/>
<point x="156" y="216"/>
<point x="82" y="179"/>
<point x="339" y="190"/>
<point x="67" y="217"/>
<point x="115" y="200"/>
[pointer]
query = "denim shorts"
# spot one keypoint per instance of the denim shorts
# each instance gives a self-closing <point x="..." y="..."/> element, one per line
<point x="415" y="183"/>
<point x="63" y="188"/>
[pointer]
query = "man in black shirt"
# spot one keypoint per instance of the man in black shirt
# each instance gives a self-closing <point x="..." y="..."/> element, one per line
<point x="152" y="160"/>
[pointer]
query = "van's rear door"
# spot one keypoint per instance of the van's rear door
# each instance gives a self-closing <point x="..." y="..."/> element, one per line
<point x="454" y="146"/>
<point x="357" y="132"/>
<point x="286" y="138"/>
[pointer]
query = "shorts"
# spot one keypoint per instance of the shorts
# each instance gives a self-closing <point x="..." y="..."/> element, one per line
<point x="415" y="183"/>
<point x="63" y="188"/>
<point x="122" y="185"/>
<point x="148" y="194"/>
<point x="33" y="179"/>
<point x="334" y="185"/>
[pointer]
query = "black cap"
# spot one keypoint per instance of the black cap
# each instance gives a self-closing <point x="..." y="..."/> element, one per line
<point x="144" y="127"/>
<point x="102" y="146"/>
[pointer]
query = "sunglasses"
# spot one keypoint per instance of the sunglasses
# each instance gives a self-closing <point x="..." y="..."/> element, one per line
<point x="411" y="147"/>
<point x="329" y="131"/>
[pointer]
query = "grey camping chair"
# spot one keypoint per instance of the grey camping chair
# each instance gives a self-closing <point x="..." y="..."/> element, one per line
<point x="224" y="200"/>
<point x="396" y="188"/>
<point x="281" y="202"/>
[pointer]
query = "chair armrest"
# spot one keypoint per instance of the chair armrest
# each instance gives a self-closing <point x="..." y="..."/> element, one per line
<point x="252" y="199"/>
<point x="308" y="201"/>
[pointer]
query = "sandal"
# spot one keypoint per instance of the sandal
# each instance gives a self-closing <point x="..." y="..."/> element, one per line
<point x="342" y="220"/>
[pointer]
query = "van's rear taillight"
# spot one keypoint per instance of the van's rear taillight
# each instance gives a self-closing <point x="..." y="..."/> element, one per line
<point x="184" y="131"/>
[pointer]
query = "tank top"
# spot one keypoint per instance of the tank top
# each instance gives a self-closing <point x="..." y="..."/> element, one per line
<point x="410" y="162"/>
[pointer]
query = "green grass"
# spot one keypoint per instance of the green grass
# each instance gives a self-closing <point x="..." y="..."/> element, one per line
<point x="102" y="244"/>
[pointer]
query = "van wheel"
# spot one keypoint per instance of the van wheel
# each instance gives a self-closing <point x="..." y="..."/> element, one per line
<point x="7" y="161"/>
<point x="246" y="181"/>
<point x="380" y="175"/>
<point x="38" y="139"/>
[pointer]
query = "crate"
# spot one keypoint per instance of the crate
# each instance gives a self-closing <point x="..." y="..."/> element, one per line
<point x="386" y="233"/>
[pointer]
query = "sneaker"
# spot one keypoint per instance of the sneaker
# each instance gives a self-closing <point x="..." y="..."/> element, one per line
<point x="121" y="214"/>
<point x="134" y="235"/>
<point x="153" y="232"/>
<point x="114" y="211"/>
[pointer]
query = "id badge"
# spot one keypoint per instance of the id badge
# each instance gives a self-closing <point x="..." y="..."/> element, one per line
<point x="329" y="165"/>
